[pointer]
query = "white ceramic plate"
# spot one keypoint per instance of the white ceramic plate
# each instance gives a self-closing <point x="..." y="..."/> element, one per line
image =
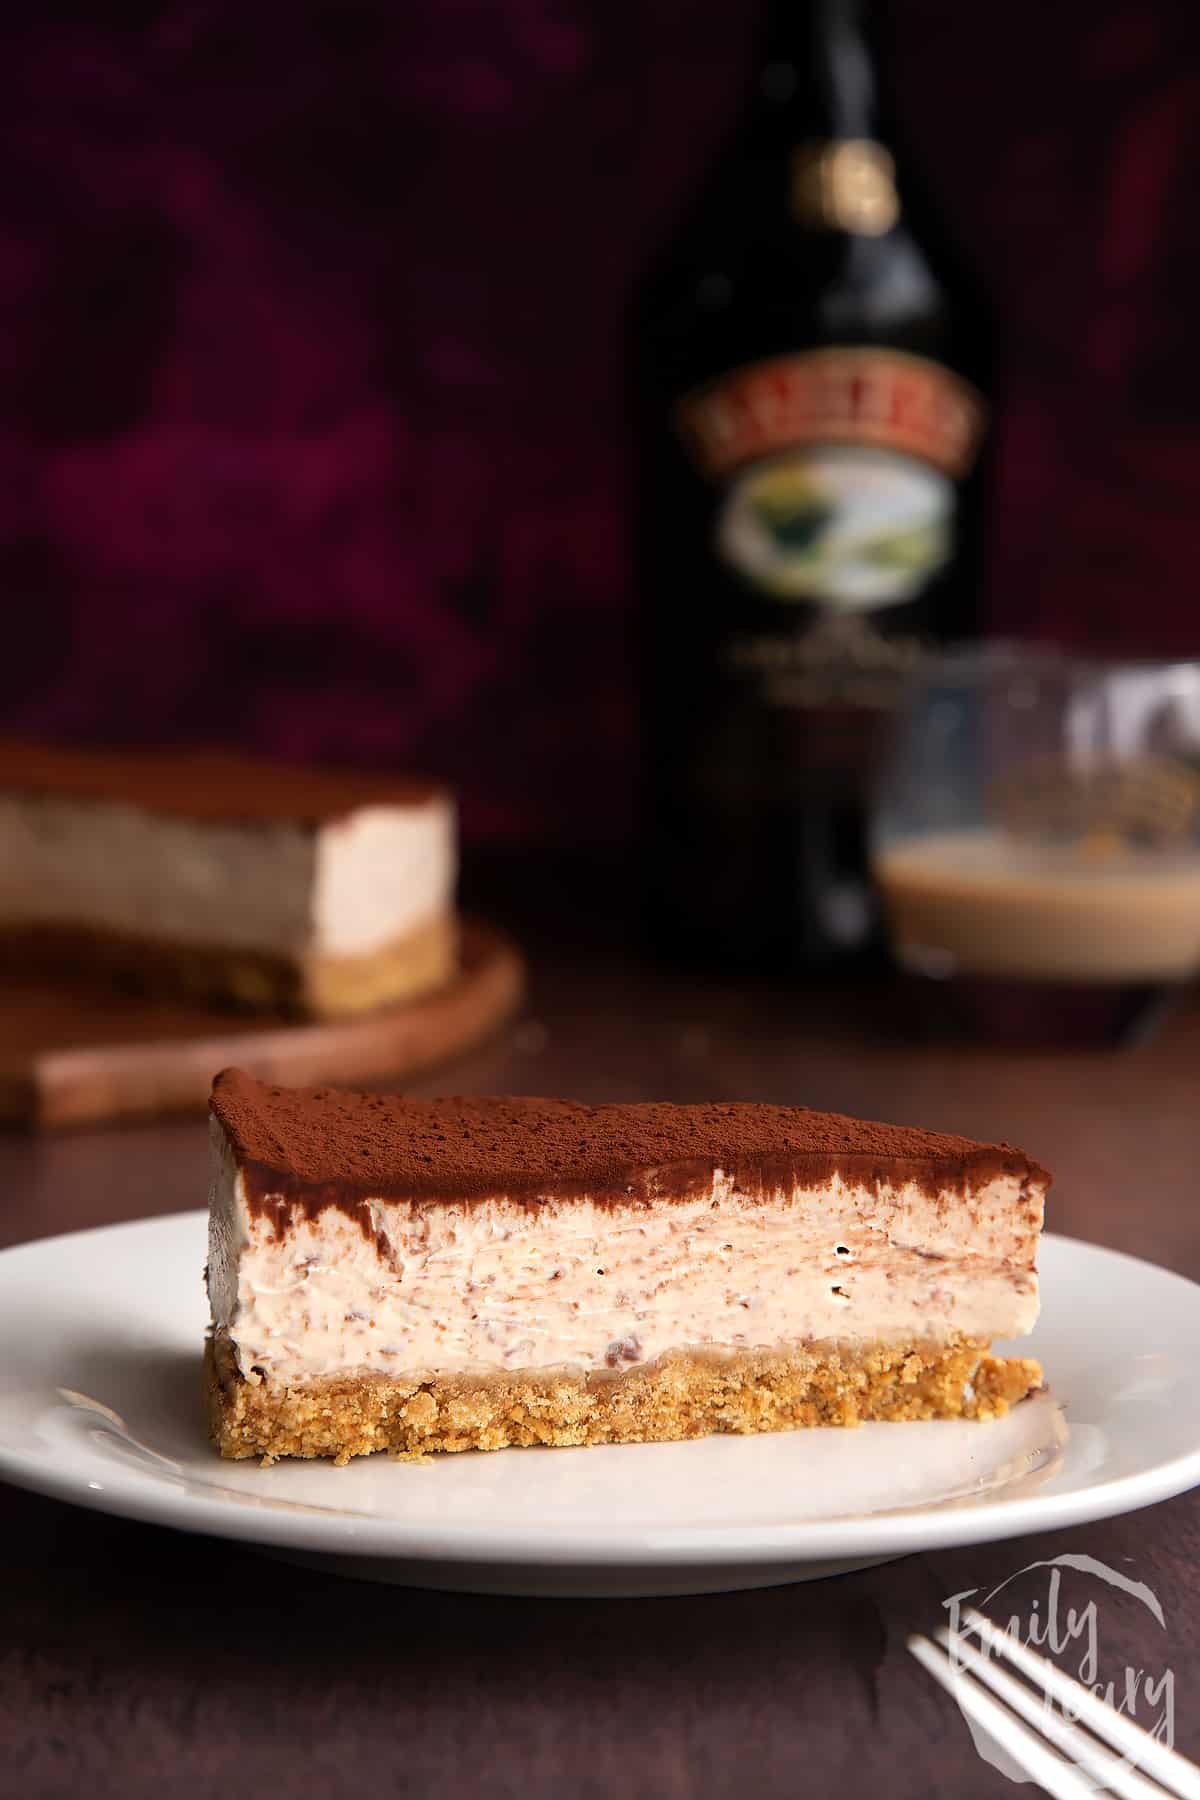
<point x="100" y="1404"/>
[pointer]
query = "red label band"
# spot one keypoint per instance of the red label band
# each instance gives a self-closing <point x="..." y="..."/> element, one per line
<point x="881" y="398"/>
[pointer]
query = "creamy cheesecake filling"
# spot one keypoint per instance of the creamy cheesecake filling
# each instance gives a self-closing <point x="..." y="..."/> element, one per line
<point x="497" y="1285"/>
<point x="345" y="888"/>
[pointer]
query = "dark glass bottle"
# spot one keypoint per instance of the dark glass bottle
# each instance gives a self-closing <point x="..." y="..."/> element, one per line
<point x="809" y="385"/>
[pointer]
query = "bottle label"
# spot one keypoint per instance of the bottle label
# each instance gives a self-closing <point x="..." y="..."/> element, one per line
<point x="838" y="469"/>
<point x="851" y="529"/>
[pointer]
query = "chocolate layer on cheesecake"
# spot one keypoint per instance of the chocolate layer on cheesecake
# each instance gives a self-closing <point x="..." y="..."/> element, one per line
<point x="318" y="1147"/>
<point x="204" y="784"/>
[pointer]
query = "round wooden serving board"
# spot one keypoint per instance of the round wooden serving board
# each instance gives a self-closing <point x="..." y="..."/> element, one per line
<point x="69" y="1057"/>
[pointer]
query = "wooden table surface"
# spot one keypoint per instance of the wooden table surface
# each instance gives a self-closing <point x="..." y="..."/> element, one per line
<point x="135" y="1661"/>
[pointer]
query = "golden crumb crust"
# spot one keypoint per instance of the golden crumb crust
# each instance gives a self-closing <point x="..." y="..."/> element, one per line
<point x="308" y="985"/>
<point x="685" y="1394"/>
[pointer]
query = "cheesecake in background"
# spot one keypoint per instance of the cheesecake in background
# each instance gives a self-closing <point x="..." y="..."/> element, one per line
<point x="224" y="879"/>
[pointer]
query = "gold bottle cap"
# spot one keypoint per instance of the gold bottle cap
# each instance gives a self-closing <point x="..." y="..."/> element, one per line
<point x="846" y="185"/>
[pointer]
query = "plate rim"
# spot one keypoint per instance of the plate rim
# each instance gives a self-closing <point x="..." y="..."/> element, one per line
<point x="139" y="1497"/>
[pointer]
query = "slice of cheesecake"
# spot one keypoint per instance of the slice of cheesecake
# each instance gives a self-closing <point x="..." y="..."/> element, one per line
<point x="467" y="1274"/>
<point x="263" y="885"/>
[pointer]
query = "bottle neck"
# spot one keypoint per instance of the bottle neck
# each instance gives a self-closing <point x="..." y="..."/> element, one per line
<point x="818" y="105"/>
<point x="816" y="69"/>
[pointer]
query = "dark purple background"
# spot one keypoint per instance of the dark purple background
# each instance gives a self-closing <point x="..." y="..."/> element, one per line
<point x="312" y="431"/>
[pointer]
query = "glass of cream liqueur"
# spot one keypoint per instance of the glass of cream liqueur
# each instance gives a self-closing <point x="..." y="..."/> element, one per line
<point x="1036" y="843"/>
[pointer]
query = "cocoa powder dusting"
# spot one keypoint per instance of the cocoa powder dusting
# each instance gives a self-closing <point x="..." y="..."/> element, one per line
<point x="324" y="1146"/>
<point x="204" y="785"/>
